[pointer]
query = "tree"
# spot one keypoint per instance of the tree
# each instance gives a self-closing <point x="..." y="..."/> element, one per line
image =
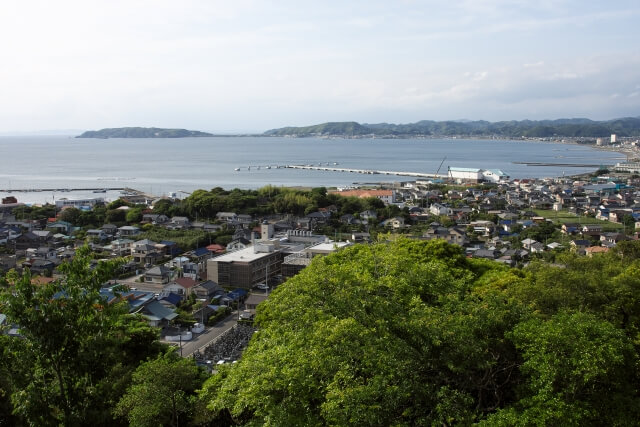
<point x="77" y="350"/>
<point x="163" y="391"/>
<point x="70" y="215"/>
<point x="374" y="335"/>
<point x="575" y="367"/>
<point x="414" y="333"/>
<point x="134" y="215"/>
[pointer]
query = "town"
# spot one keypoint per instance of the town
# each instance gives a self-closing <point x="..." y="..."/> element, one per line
<point x="198" y="271"/>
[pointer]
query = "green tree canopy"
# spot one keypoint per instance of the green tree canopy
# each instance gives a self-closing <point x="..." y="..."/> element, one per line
<point x="77" y="351"/>
<point x="414" y="333"/>
<point x="163" y="392"/>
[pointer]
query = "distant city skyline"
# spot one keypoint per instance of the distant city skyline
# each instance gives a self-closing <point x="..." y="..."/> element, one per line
<point x="250" y="66"/>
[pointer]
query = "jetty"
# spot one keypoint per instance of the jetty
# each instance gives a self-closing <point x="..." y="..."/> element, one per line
<point x="364" y="171"/>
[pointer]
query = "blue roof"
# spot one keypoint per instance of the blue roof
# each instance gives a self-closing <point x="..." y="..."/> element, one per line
<point x="173" y="298"/>
<point x="216" y="307"/>
<point x="201" y="251"/>
<point x="498" y="172"/>
<point x="167" y="243"/>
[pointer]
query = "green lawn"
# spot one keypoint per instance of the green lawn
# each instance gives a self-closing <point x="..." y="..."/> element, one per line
<point x="564" y="216"/>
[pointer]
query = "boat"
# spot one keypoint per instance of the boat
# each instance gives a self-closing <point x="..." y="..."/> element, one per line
<point x="100" y="191"/>
<point x="237" y="169"/>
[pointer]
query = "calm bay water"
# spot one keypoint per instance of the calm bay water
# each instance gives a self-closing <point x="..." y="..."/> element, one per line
<point x="161" y="166"/>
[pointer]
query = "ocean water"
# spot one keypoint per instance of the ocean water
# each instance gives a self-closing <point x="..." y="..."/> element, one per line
<point x="163" y="166"/>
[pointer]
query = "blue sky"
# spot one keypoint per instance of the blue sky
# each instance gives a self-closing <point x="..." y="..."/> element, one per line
<point x="246" y="66"/>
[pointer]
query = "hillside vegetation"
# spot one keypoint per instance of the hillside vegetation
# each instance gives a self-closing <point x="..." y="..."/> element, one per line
<point x="624" y="127"/>
<point x="138" y="132"/>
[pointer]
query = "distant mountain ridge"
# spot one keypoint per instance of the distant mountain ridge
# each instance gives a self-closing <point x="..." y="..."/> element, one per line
<point x="576" y="127"/>
<point x="140" y="132"/>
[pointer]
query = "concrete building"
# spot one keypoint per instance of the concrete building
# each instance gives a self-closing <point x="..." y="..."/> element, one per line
<point x="614" y="138"/>
<point x="246" y="267"/>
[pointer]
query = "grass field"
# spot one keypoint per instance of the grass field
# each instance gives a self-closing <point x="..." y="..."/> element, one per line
<point x="564" y="216"/>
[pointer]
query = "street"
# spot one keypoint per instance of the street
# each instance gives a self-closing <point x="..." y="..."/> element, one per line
<point x="200" y="341"/>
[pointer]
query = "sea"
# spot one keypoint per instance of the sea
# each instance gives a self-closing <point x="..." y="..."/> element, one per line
<point x="177" y="167"/>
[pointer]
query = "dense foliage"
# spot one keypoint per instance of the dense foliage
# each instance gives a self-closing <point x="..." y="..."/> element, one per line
<point x="75" y="354"/>
<point x="414" y="333"/>
<point x="267" y="200"/>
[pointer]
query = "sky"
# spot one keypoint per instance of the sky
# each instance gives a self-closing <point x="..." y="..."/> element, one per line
<point x="248" y="66"/>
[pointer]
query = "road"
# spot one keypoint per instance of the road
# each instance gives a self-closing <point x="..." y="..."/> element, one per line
<point x="200" y="341"/>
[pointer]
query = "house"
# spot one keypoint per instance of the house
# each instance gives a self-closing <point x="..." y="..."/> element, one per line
<point x="227" y="217"/>
<point x="254" y="299"/>
<point x="580" y="246"/>
<point x="158" y="274"/>
<point x="207" y="289"/>
<point x="527" y="243"/>
<point x="43" y="267"/>
<point x="180" y="286"/>
<point x="592" y="250"/>
<point x="440" y="209"/>
<point x="97" y="233"/>
<point x="180" y="222"/>
<point x="170" y="248"/>
<point x="157" y="314"/>
<point x="155" y="218"/>
<point x="484" y="253"/>
<point x="610" y="239"/>
<point x="170" y="300"/>
<point x="216" y="249"/>
<point x="395" y="222"/>
<point x="145" y="252"/>
<point x="592" y="228"/>
<point x="121" y="247"/>
<point x="361" y="237"/>
<point x="452" y="235"/>
<point x="537" y="247"/>
<point x="60" y="227"/>
<point x="570" y="228"/>
<point x="245" y="219"/>
<point x="128" y="230"/>
<point x="110" y="229"/>
<point x="484" y="228"/>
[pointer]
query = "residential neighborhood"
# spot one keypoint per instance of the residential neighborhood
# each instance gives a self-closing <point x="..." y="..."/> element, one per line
<point x="185" y="274"/>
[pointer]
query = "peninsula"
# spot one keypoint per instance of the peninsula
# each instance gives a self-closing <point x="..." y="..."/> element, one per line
<point x="140" y="132"/>
<point x="572" y="128"/>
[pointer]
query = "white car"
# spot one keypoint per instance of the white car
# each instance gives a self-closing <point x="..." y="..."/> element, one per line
<point x="262" y="286"/>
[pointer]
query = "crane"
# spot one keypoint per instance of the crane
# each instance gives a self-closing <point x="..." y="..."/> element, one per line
<point x="436" y="174"/>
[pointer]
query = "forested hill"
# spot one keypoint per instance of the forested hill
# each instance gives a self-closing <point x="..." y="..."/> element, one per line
<point x="138" y="132"/>
<point x="331" y="128"/>
<point x="624" y="127"/>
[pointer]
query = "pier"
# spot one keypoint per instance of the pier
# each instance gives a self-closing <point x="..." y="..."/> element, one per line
<point x="364" y="171"/>
<point x="567" y="165"/>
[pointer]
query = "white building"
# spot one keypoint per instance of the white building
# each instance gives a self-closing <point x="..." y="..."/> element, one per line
<point x="465" y="174"/>
<point x="78" y="203"/>
<point x="614" y="138"/>
<point x="494" y="175"/>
